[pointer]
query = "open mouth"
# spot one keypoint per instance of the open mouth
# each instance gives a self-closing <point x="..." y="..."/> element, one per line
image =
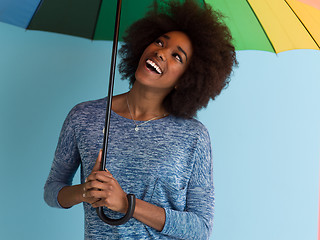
<point x="153" y="66"/>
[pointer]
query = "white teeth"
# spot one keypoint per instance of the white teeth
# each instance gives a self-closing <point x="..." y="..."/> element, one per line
<point x="155" y="66"/>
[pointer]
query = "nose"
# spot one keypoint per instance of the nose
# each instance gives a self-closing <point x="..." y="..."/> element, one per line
<point x="160" y="54"/>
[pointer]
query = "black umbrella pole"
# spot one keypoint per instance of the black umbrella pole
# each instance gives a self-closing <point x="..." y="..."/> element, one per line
<point x="131" y="197"/>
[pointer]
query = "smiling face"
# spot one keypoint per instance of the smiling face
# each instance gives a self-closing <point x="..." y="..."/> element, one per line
<point x="164" y="61"/>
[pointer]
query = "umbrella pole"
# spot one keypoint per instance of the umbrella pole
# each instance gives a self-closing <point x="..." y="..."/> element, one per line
<point x="131" y="197"/>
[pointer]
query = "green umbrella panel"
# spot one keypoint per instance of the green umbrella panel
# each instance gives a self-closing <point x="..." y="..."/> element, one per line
<point x="95" y="19"/>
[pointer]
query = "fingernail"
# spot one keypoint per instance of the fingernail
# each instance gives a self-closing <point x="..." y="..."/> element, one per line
<point x="86" y="180"/>
<point x="84" y="195"/>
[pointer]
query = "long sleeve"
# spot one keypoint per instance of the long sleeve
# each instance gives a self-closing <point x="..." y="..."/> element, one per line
<point x="65" y="163"/>
<point x="197" y="219"/>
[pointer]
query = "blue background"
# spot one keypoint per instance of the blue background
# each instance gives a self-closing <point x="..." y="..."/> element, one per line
<point x="264" y="128"/>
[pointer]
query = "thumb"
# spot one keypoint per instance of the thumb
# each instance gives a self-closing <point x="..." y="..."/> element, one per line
<point x="97" y="165"/>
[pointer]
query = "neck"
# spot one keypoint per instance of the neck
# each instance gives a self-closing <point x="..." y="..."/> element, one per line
<point x="145" y="104"/>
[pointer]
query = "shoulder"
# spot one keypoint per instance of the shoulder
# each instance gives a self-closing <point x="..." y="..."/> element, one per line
<point x="85" y="111"/>
<point x="88" y="107"/>
<point x="190" y="127"/>
<point x="189" y="124"/>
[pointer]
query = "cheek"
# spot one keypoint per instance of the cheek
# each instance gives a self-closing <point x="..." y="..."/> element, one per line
<point x="173" y="77"/>
<point x="141" y="62"/>
<point x="140" y="66"/>
<point x="178" y="72"/>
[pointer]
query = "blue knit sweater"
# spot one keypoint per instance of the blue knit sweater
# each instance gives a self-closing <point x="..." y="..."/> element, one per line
<point x="167" y="163"/>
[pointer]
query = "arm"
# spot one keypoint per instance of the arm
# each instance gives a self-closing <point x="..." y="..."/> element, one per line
<point x="65" y="163"/>
<point x="150" y="214"/>
<point x="69" y="196"/>
<point x="197" y="219"/>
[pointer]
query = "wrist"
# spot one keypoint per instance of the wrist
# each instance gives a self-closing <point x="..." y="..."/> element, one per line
<point x="70" y="196"/>
<point x="80" y="193"/>
<point x="125" y="204"/>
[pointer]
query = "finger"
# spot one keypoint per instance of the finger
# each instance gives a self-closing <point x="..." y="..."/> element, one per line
<point x="97" y="165"/>
<point x="87" y="198"/>
<point x="97" y="194"/>
<point x="99" y="203"/>
<point x="104" y="173"/>
<point x="93" y="185"/>
<point x="100" y="176"/>
<point x="91" y="200"/>
<point x="104" y="177"/>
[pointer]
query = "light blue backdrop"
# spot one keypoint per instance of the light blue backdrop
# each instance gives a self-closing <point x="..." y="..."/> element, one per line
<point x="265" y="132"/>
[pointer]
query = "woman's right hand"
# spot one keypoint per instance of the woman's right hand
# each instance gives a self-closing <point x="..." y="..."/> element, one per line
<point x="86" y="186"/>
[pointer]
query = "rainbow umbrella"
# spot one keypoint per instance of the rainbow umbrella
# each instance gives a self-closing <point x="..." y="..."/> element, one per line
<point x="269" y="25"/>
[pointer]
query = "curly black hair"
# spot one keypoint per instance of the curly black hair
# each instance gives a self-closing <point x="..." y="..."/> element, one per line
<point x="213" y="53"/>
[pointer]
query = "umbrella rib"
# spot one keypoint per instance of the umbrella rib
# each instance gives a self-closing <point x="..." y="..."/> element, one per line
<point x="302" y="24"/>
<point x="262" y="27"/>
<point x="97" y="18"/>
<point x="34" y="13"/>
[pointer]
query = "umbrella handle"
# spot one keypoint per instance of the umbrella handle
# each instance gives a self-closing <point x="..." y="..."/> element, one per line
<point x="125" y="218"/>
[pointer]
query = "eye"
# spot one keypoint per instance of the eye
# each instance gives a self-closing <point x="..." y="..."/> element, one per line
<point x="178" y="57"/>
<point x="159" y="42"/>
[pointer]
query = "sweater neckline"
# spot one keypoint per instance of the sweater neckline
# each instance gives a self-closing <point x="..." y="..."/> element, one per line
<point x="131" y="120"/>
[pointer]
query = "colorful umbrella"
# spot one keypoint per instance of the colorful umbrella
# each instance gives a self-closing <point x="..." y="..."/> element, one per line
<point x="270" y="25"/>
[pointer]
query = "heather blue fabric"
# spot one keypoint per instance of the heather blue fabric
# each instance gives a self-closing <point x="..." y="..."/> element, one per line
<point x="167" y="163"/>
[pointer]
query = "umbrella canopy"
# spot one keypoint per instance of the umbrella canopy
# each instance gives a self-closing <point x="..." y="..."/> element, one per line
<point x="269" y="25"/>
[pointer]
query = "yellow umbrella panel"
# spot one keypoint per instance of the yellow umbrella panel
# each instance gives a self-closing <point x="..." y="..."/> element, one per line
<point x="289" y="24"/>
<point x="272" y="25"/>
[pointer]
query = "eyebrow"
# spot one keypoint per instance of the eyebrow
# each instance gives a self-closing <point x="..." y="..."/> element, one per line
<point x="179" y="48"/>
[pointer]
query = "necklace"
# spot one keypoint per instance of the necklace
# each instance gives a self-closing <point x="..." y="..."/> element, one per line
<point x="139" y="125"/>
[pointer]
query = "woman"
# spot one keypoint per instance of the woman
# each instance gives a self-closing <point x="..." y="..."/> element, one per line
<point x="156" y="150"/>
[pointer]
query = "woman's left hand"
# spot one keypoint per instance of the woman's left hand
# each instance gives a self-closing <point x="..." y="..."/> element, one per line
<point x="102" y="185"/>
